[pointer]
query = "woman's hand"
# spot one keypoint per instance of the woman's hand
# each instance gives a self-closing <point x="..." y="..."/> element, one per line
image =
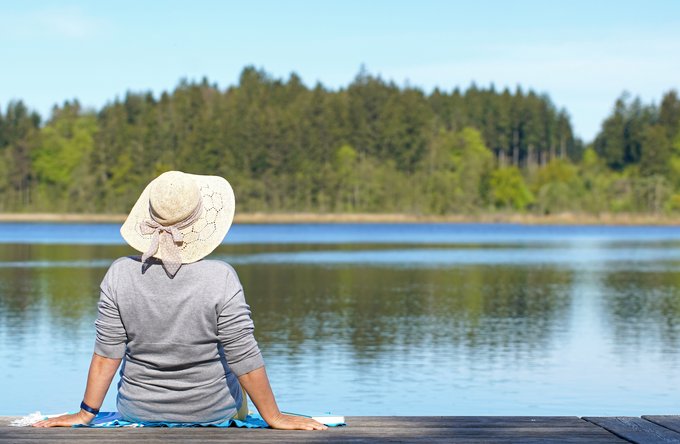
<point x="294" y="422"/>
<point x="99" y="379"/>
<point x="81" y="417"/>
<point x="256" y="384"/>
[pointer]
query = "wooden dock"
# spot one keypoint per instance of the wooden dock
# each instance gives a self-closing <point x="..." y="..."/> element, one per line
<point x="368" y="429"/>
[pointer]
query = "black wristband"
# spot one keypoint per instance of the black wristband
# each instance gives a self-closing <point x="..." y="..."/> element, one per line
<point x="87" y="408"/>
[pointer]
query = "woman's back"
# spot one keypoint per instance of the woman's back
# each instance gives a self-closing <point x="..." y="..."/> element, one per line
<point x="186" y="335"/>
<point x="188" y="338"/>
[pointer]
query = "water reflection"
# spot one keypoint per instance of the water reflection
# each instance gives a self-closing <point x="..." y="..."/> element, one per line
<point x="371" y="308"/>
<point x="645" y="309"/>
<point x="374" y="309"/>
<point x="474" y="329"/>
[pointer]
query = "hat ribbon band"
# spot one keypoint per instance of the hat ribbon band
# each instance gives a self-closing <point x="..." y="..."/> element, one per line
<point x="168" y="238"/>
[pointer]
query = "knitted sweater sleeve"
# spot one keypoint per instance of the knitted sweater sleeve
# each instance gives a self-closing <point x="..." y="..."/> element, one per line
<point x="235" y="330"/>
<point x="111" y="336"/>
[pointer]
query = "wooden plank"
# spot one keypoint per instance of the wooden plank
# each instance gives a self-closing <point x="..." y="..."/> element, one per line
<point x="447" y="436"/>
<point x="637" y="430"/>
<point x="671" y="422"/>
<point x="340" y="431"/>
<point x="446" y="421"/>
<point x="6" y="420"/>
<point x="458" y="429"/>
<point x="423" y="440"/>
<point x="465" y="421"/>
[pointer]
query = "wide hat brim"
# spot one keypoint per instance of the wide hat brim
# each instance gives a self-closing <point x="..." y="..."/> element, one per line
<point x="203" y="236"/>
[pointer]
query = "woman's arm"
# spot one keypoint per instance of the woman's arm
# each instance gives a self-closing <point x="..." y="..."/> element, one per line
<point x="98" y="381"/>
<point x="256" y="384"/>
<point x="235" y="332"/>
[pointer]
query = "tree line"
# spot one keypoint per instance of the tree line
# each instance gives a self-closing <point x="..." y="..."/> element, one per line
<point x="369" y="147"/>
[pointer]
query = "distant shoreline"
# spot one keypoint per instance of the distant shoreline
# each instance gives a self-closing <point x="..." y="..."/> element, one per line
<point x="272" y="218"/>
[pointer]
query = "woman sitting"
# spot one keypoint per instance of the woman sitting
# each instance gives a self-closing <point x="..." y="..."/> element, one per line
<point x="179" y="323"/>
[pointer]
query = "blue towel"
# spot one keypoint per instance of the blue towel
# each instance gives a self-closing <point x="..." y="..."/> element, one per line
<point x="114" y="419"/>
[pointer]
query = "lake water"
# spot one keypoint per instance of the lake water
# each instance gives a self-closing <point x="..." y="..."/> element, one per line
<point x="387" y="319"/>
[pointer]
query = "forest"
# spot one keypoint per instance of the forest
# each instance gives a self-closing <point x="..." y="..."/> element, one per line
<point x="370" y="147"/>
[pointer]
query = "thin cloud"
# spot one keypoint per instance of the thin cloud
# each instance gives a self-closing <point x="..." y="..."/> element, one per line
<point x="71" y="23"/>
<point x="67" y="22"/>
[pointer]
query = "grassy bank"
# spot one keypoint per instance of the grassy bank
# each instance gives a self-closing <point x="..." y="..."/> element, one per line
<point x="263" y="218"/>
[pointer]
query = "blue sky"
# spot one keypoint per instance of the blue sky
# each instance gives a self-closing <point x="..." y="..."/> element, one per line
<point x="584" y="54"/>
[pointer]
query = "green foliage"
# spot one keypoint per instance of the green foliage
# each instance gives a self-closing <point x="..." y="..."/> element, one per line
<point x="370" y="147"/>
<point x="673" y="203"/>
<point x="558" y="187"/>
<point x="455" y="172"/>
<point x="508" y="189"/>
<point x="657" y="151"/>
<point x="19" y="130"/>
<point x="60" y="160"/>
<point x="347" y="177"/>
<point x="596" y="180"/>
<point x="620" y="142"/>
<point x="473" y="163"/>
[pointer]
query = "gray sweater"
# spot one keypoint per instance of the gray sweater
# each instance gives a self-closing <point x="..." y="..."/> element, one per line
<point x="184" y="340"/>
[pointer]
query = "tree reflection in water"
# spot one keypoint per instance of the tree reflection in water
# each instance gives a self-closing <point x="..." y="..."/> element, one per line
<point x="489" y="334"/>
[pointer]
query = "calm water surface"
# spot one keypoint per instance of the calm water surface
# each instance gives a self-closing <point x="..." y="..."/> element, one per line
<point x="438" y="319"/>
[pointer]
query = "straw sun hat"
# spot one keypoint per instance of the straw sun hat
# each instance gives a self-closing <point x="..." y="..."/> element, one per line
<point x="180" y="218"/>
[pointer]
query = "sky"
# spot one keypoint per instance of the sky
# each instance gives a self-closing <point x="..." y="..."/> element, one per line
<point x="583" y="54"/>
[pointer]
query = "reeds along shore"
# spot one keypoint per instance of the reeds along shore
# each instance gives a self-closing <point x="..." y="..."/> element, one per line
<point x="264" y="218"/>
